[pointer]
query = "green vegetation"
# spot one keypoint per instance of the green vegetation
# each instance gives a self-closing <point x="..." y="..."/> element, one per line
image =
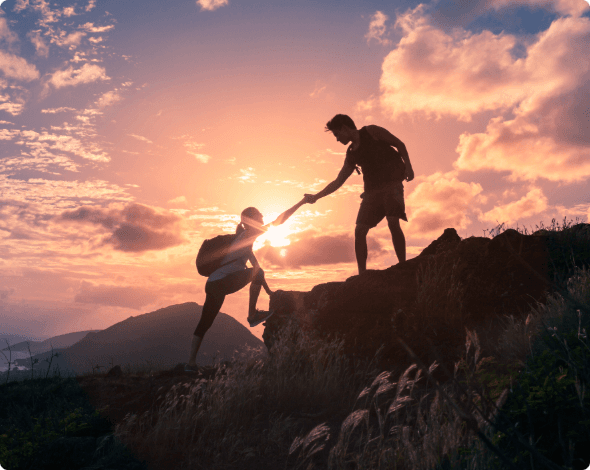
<point x="307" y="405"/>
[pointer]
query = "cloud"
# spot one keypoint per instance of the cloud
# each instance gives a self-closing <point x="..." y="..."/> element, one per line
<point x="193" y="148"/>
<point x="310" y="248"/>
<point x="16" y="67"/>
<point x="534" y="202"/>
<point x="91" y="5"/>
<point x="63" y="109"/>
<point x="542" y="97"/>
<point x="69" y="11"/>
<point x="549" y="135"/>
<point x="115" y="296"/>
<point x="40" y="142"/>
<point x="41" y="48"/>
<point x="377" y="28"/>
<point x="319" y="88"/>
<point x="68" y="40"/>
<point x="459" y="73"/>
<point x="248" y="175"/>
<point x="11" y="107"/>
<point x="5" y="32"/>
<point x="134" y="228"/>
<point x="178" y="200"/>
<point x="96" y="29"/>
<point x="440" y="201"/>
<point x="211" y="5"/>
<point x="202" y="157"/>
<point x="88" y="73"/>
<point x="139" y="137"/>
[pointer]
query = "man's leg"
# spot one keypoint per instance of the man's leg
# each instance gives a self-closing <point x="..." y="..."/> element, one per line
<point x="397" y="236"/>
<point x="360" y="246"/>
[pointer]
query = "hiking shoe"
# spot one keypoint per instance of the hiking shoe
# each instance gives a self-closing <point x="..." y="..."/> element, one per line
<point x="258" y="317"/>
<point x="188" y="368"/>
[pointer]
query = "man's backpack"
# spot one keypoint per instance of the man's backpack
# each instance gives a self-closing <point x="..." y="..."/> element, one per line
<point x="212" y="252"/>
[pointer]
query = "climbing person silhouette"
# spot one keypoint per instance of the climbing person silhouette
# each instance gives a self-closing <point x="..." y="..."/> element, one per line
<point x="384" y="168"/>
<point x="234" y="275"/>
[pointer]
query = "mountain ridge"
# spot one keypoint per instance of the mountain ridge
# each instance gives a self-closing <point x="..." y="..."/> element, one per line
<point x="160" y="338"/>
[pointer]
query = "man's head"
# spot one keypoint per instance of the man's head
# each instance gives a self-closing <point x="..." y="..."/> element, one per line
<point x="342" y="126"/>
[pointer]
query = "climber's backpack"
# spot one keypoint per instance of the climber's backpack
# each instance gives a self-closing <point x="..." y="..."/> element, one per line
<point x="212" y="252"/>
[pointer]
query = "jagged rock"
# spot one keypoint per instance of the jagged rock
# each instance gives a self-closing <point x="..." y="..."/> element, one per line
<point x="115" y="372"/>
<point x="429" y="300"/>
<point x="447" y="241"/>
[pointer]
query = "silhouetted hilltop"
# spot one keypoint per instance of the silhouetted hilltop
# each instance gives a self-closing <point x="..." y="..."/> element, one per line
<point x="160" y="338"/>
<point x="431" y="300"/>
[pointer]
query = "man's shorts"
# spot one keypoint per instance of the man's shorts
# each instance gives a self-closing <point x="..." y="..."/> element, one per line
<point x="384" y="202"/>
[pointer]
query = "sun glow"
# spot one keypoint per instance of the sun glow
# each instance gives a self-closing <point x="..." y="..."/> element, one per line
<point x="276" y="235"/>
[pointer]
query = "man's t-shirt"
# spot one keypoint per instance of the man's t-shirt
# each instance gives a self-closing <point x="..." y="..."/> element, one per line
<point x="380" y="162"/>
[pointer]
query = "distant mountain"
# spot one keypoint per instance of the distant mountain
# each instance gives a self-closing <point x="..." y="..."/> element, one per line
<point x="14" y="339"/>
<point x="161" y="338"/>
<point x="57" y="342"/>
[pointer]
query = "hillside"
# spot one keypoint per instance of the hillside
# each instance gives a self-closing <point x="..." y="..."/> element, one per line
<point x="160" y="338"/>
<point x="430" y="301"/>
<point x="55" y="342"/>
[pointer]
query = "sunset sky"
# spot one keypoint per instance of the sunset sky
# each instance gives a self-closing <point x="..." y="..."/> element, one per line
<point x="130" y="131"/>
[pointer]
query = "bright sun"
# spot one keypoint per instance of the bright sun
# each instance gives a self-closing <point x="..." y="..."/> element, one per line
<point x="275" y="235"/>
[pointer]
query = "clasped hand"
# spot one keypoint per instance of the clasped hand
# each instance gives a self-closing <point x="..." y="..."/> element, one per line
<point x="310" y="198"/>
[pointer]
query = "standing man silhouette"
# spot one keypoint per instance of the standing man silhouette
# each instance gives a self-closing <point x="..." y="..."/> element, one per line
<point x="384" y="168"/>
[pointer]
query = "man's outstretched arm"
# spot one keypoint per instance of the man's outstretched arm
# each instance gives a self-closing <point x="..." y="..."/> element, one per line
<point x="379" y="133"/>
<point x="345" y="172"/>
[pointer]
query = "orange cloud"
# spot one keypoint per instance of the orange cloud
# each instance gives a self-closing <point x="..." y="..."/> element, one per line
<point x="534" y="202"/>
<point x="377" y="28"/>
<point x="107" y="99"/>
<point x="549" y="136"/>
<point x="461" y="73"/>
<point x="439" y="202"/>
<point x="88" y="73"/>
<point x="135" y="228"/>
<point x="68" y="40"/>
<point x="547" y="91"/>
<point x="16" y="67"/>
<point x="458" y="74"/>
<point x="309" y="248"/>
<point x="519" y="147"/>
<point x="211" y="5"/>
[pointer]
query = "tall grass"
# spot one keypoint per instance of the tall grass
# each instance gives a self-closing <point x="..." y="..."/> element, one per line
<point x="253" y="409"/>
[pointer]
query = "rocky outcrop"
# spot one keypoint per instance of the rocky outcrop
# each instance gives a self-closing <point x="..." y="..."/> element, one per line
<point x="428" y="301"/>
